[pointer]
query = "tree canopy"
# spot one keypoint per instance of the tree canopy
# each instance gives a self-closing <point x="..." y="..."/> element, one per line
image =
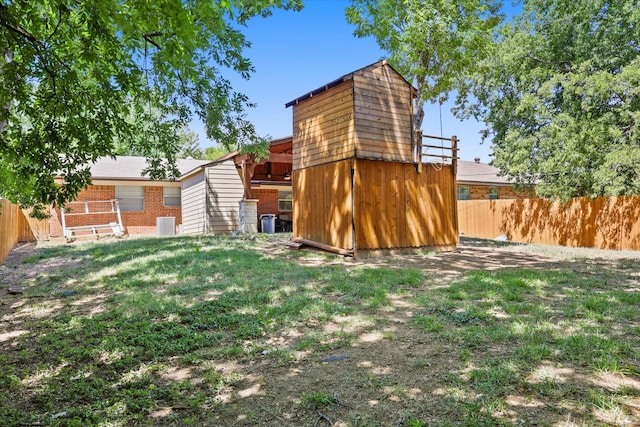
<point x="76" y="77"/>
<point x="432" y="43"/>
<point x="561" y="97"/>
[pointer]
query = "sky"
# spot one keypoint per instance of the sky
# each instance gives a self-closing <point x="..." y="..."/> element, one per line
<point x="294" y="53"/>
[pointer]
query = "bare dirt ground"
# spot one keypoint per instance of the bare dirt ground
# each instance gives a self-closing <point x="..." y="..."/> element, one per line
<point x="390" y="373"/>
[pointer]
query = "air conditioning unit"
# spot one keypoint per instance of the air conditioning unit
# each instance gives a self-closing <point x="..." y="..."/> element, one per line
<point x="166" y="225"/>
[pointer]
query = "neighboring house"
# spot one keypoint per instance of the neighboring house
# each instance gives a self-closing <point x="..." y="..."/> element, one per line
<point x="480" y="181"/>
<point x="204" y="199"/>
<point x="140" y="199"/>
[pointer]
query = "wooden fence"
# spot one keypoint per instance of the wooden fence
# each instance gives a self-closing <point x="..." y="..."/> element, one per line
<point x="16" y="226"/>
<point x="604" y="223"/>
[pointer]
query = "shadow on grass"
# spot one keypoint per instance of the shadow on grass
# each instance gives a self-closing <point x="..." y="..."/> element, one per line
<point x="214" y="331"/>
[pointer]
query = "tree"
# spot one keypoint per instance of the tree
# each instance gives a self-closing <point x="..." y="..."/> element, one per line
<point x="433" y="43"/>
<point x="76" y="77"/>
<point x="561" y="98"/>
<point x="214" y="153"/>
<point x="189" y="145"/>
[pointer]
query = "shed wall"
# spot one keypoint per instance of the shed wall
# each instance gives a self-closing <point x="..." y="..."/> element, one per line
<point x="193" y="204"/>
<point x="224" y="191"/>
<point x="396" y="207"/>
<point x="383" y="115"/>
<point x="323" y="204"/>
<point x="323" y="127"/>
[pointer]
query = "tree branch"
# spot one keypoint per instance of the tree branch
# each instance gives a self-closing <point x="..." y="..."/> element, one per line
<point x="149" y="38"/>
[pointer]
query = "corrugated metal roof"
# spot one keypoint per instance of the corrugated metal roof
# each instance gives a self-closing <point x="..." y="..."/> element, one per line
<point x="130" y="167"/>
<point x="474" y="172"/>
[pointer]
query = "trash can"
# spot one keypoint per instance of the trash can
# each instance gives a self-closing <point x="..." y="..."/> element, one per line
<point x="268" y="223"/>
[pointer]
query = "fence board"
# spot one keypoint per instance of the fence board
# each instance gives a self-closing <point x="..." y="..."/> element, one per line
<point x="16" y="226"/>
<point x="604" y="222"/>
<point x="397" y="207"/>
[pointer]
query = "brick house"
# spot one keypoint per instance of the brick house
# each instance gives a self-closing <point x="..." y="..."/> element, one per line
<point x="140" y="199"/>
<point x="480" y="181"/>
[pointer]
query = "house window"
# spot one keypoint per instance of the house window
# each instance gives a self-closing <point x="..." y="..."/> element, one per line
<point x="130" y="198"/>
<point x="494" y="193"/>
<point x="285" y="201"/>
<point x="464" y="192"/>
<point x="171" y="196"/>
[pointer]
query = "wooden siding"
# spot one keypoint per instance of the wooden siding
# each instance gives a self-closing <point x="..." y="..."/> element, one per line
<point x="322" y="204"/>
<point x="323" y="127"/>
<point x="383" y="115"/>
<point x="224" y="192"/>
<point x="604" y="223"/>
<point x="193" y="204"/>
<point x="396" y="207"/>
<point x="16" y="226"/>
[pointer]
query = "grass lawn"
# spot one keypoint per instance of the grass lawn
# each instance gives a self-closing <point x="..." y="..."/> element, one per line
<point x="216" y="331"/>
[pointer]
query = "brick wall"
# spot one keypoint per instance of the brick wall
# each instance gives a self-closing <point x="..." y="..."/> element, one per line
<point x="142" y="222"/>
<point x="267" y="200"/>
<point x="481" y="192"/>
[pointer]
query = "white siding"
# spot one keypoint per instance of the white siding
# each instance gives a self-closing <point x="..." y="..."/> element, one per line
<point x="193" y="204"/>
<point x="224" y="192"/>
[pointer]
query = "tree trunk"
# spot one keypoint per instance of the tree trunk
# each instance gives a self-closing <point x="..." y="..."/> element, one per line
<point x="7" y="57"/>
<point x="418" y="114"/>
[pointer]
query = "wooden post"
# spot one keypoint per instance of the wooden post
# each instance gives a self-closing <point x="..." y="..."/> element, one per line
<point x="454" y="172"/>
<point x="248" y="167"/>
<point x="419" y="150"/>
<point x="454" y="154"/>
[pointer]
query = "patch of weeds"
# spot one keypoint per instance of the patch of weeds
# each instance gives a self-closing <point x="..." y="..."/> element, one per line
<point x="428" y="323"/>
<point x="534" y="352"/>
<point x="611" y="406"/>
<point x="473" y="338"/>
<point x="555" y="390"/>
<point x="497" y="379"/>
<point x="282" y="356"/>
<point x="388" y="335"/>
<point x="308" y="342"/>
<point x="372" y="286"/>
<point x="317" y="400"/>
<point x="421" y="363"/>
<point x="588" y="349"/>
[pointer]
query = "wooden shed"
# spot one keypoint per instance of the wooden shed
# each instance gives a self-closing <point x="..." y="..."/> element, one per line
<point x="358" y="179"/>
<point x="211" y="196"/>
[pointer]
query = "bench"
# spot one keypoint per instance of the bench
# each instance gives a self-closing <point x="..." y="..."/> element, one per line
<point x="113" y="228"/>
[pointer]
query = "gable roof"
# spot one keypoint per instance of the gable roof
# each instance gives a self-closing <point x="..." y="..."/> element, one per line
<point x="344" y="78"/>
<point x="131" y="167"/>
<point x="479" y="173"/>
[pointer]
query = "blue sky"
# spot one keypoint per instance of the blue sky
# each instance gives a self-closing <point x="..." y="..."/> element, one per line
<point x="296" y="52"/>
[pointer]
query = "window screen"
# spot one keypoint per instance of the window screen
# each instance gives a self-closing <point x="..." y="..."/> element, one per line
<point x="171" y="196"/>
<point x="494" y="193"/>
<point x="285" y="200"/>
<point x="464" y="192"/>
<point x="130" y="198"/>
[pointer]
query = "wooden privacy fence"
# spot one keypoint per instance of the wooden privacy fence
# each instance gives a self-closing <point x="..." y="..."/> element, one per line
<point x="604" y="222"/>
<point x="16" y="226"/>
